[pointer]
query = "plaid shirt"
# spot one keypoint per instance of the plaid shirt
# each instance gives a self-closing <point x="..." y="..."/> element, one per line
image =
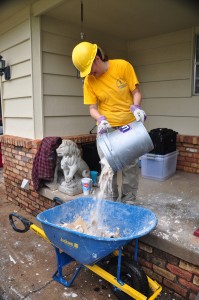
<point x="45" y="161"/>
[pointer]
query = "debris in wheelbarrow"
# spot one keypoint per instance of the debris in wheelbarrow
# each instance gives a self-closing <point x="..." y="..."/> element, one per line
<point x="126" y="277"/>
<point x="92" y="228"/>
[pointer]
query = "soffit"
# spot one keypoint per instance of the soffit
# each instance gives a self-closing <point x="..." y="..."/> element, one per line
<point x="129" y="19"/>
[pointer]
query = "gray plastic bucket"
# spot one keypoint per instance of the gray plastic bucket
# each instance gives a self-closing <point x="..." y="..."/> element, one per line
<point x="124" y="145"/>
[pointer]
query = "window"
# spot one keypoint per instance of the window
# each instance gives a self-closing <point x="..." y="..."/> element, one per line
<point x="196" y="67"/>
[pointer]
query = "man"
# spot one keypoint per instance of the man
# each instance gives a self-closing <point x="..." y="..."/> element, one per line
<point x="111" y="89"/>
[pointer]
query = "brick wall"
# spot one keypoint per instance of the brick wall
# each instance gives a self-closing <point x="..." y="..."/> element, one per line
<point x="176" y="275"/>
<point x="188" y="158"/>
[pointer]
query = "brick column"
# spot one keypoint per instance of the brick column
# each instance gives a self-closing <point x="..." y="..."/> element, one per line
<point x="18" y="155"/>
<point x="188" y="158"/>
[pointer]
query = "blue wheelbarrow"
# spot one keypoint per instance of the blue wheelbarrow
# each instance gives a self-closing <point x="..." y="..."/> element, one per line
<point x="102" y="255"/>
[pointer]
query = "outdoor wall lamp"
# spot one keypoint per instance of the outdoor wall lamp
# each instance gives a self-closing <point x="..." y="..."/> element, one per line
<point x="4" y="69"/>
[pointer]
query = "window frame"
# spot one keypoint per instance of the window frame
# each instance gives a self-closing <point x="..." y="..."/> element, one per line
<point x="196" y="65"/>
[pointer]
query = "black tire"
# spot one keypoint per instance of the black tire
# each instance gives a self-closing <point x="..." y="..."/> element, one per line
<point x="131" y="274"/>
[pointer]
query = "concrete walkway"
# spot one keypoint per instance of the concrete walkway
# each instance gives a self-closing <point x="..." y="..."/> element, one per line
<point x="175" y="202"/>
<point x="27" y="262"/>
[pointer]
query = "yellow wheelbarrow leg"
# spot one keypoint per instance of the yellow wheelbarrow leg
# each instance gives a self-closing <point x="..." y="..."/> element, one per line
<point x="110" y="278"/>
<point x="155" y="287"/>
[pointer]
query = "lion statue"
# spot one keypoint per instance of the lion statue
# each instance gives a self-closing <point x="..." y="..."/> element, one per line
<point x="70" y="168"/>
<point x="72" y="162"/>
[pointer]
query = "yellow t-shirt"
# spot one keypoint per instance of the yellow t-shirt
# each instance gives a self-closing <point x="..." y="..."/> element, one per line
<point x="112" y="92"/>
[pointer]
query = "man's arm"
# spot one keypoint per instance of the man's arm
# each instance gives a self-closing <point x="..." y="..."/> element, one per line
<point x="94" y="111"/>
<point x="139" y="114"/>
<point x="137" y="97"/>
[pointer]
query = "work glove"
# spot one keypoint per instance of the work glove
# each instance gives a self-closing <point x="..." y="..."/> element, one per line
<point x="138" y="113"/>
<point x="103" y="125"/>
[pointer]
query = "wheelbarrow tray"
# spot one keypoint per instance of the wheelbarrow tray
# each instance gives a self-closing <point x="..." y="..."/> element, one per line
<point x="132" y="221"/>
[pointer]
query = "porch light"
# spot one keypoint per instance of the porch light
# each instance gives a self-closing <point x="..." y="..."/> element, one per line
<point x="4" y="69"/>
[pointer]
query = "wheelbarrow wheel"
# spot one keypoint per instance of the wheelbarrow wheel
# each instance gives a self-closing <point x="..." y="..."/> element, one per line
<point x="131" y="274"/>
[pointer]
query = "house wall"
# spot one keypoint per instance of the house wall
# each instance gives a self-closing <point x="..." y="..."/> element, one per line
<point x="164" y="65"/>
<point x="39" y="51"/>
<point x="64" y="111"/>
<point x="16" y="94"/>
<point x="20" y="46"/>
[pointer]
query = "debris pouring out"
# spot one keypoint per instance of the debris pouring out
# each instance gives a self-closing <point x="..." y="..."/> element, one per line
<point x="95" y="226"/>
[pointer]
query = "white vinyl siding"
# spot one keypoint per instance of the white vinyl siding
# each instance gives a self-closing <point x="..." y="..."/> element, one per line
<point x="17" y="107"/>
<point x="164" y="68"/>
<point x="23" y="126"/>
<point x="61" y="88"/>
<point x="57" y="106"/>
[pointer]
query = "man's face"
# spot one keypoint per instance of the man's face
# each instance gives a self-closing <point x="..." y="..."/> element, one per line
<point x="96" y="69"/>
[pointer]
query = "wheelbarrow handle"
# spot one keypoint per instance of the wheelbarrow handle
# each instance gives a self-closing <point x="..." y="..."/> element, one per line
<point x="25" y="222"/>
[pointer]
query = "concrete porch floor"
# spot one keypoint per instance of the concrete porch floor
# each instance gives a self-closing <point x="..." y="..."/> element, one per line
<point x="175" y="202"/>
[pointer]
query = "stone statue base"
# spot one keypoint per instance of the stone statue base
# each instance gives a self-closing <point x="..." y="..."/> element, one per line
<point x="54" y="185"/>
<point x="72" y="188"/>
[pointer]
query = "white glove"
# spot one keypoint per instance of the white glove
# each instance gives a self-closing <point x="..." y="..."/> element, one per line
<point x="139" y="114"/>
<point x="103" y="125"/>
